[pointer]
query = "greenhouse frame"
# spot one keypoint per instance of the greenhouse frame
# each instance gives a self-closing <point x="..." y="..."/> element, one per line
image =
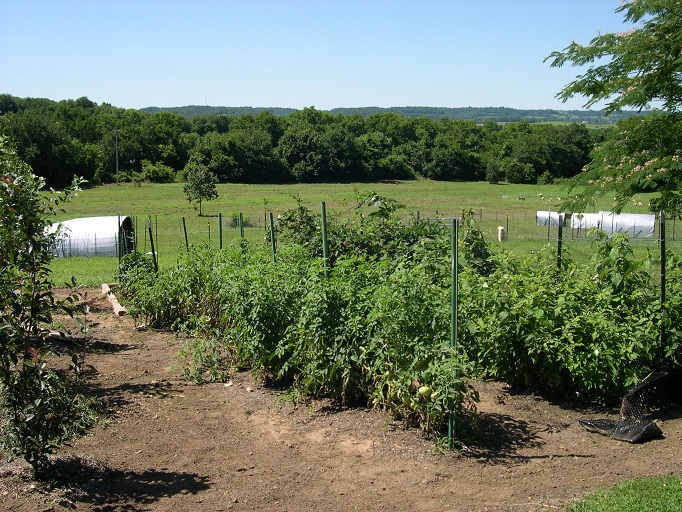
<point x="111" y="236"/>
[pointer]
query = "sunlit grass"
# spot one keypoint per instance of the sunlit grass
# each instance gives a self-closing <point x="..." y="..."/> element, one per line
<point x="654" y="494"/>
<point x="90" y="272"/>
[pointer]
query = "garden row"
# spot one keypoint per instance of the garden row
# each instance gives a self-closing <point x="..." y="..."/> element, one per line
<point x="374" y="328"/>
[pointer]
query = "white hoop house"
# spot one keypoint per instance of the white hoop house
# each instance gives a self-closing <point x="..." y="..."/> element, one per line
<point x="94" y="236"/>
<point x="635" y="225"/>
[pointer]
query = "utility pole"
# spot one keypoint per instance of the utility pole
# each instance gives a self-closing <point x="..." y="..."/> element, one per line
<point x="116" y="133"/>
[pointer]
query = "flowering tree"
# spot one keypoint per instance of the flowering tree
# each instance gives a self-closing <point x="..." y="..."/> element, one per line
<point x="644" y="70"/>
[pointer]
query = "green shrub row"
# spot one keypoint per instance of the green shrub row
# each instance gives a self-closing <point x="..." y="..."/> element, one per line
<point x="375" y="328"/>
<point x="589" y="329"/>
<point x="362" y="334"/>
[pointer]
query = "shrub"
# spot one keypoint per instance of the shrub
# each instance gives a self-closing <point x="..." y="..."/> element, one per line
<point x="158" y="172"/>
<point x="330" y="341"/>
<point x="38" y="398"/>
<point x="591" y="329"/>
<point x="410" y="349"/>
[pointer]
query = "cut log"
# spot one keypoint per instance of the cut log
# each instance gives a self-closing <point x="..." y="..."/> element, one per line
<point x="118" y="309"/>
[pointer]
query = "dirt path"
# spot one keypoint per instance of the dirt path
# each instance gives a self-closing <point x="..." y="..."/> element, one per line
<point x="175" y="446"/>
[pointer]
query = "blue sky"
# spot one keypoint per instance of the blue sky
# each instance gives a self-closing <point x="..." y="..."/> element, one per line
<point x="296" y="53"/>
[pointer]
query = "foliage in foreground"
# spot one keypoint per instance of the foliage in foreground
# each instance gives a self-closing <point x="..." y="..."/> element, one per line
<point x="662" y="494"/>
<point x="39" y="399"/>
<point x="375" y="327"/>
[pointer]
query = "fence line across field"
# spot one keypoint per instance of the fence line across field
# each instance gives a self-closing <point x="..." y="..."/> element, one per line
<point x="517" y="227"/>
<point x="512" y="228"/>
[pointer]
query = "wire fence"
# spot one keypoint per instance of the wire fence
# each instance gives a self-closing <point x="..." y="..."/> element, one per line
<point x="516" y="231"/>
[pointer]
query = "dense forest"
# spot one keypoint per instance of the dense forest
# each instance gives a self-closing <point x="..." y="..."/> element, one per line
<point x="104" y="144"/>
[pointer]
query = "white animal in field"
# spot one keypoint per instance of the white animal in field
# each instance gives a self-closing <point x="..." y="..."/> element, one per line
<point x="501" y="234"/>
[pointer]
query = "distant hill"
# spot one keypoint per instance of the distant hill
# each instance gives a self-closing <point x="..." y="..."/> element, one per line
<point x="196" y="110"/>
<point x="477" y="114"/>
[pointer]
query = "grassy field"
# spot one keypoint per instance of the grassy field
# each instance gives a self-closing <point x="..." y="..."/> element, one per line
<point x="512" y="206"/>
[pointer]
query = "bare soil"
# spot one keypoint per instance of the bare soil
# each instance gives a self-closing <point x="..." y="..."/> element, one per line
<point x="169" y="445"/>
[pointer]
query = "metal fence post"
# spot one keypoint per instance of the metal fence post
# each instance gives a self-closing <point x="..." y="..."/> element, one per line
<point x="560" y="240"/>
<point x="454" y="299"/>
<point x="663" y="284"/>
<point x="184" y="229"/>
<point x="151" y="242"/>
<point x="272" y="238"/>
<point x="220" y="231"/>
<point x="325" y="242"/>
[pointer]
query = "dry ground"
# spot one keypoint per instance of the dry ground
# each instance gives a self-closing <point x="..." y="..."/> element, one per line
<point x="171" y="445"/>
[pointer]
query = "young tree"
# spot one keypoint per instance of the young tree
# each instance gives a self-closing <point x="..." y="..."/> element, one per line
<point x="39" y="400"/>
<point x="644" y="70"/>
<point x="201" y="184"/>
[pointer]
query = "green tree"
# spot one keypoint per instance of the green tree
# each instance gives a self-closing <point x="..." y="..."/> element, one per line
<point x="160" y="138"/>
<point x="644" y="69"/>
<point x="201" y="184"/>
<point x="214" y="150"/>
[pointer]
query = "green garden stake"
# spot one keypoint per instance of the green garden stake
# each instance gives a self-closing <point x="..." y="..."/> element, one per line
<point x="560" y="240"/>
<point x="184" y="229"/>
<point x="272" y="238"/>
<point x="220" y="231"/>
<point x="325" y="242"/>
<point x="151" y="241"/>
<point x="453" y="318"/>
<point x="663" y="284"/>
<point x="118" y="238"/>
<point x="241" y="225"/>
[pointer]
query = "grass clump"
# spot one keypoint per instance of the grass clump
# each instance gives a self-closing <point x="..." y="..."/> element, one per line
<point x="661" y="494"/>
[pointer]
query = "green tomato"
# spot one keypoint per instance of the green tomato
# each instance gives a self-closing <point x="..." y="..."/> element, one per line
<point x="425" y="391"/>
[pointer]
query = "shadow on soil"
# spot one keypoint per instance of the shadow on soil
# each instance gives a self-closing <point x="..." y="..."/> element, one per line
<point x="114" y="398"/>
<point x="498" y="437"/>
<point x="89" y="481"/>
<point x="105" y="347"/>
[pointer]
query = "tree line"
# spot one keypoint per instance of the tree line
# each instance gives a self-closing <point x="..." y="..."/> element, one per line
<point x="103" y="144"/>
<point x="478" y="114"/>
